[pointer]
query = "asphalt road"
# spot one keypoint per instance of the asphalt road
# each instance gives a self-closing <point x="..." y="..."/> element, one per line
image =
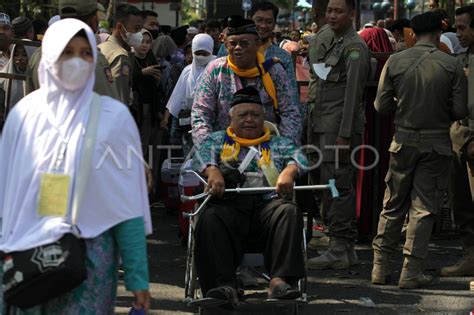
<point x="329" y="292"/>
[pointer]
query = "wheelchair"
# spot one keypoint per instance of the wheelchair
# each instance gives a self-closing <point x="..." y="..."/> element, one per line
<point x="192" y="293"/>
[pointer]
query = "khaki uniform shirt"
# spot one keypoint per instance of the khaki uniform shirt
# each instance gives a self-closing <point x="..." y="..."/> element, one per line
<point x="121" y="66"/>
<point x="463" y="130"/>
<point x="467" y="60"/>
<point x="104" y="82"/>
<point x="430" y="95"/>
<point x="336" y="101"/>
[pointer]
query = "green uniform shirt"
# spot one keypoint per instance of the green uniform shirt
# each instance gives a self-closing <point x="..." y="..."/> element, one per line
<point x="104" y="82"/>
<point x="430" y="95"/>
<point x="121" y="67"/>
<point x="467" y="60"/>
<point x="336" y="101"/>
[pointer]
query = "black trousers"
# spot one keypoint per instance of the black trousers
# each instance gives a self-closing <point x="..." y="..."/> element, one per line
<point x="224" y="227"/>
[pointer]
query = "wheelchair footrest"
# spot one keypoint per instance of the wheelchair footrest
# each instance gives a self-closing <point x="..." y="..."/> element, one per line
<point x="207" y="303"/>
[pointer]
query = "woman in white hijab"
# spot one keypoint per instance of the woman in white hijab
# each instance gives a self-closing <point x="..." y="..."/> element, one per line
<point x="113" y="216"/>
<point x="16" y="65"/>
<point x="202" y="47"/>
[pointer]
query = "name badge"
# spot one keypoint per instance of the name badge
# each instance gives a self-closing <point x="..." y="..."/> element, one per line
<point x="54" y="194"/>
<point x="271" y="173"/>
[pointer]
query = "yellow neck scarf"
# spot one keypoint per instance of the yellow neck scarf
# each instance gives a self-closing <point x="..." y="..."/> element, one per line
<point x="232" y="144"/>
<point x="265" y="46"/>
<point x="257" y="72"/>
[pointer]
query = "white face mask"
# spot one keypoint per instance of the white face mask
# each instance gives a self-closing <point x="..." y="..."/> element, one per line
<point x="74" y="73"/>
<point x="133" y="39"/>
<point x="201" y="61"/>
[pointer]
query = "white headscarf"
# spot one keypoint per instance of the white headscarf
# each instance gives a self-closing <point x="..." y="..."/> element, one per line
<point x="190" y="75"/>
<point x="115" y="188"/>
<point x="54" y="19"/>
<point x="17" y="86"/>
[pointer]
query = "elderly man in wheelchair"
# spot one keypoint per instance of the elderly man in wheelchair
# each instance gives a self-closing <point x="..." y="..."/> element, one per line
<point x="247" y="155"/>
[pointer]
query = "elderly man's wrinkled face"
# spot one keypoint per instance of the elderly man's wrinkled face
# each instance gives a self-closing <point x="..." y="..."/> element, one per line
<point x="247" y="120"/>
<point x="243" y="49"/>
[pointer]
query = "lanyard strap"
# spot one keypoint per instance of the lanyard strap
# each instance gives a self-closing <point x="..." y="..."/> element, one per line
<point x="85" y="161"/>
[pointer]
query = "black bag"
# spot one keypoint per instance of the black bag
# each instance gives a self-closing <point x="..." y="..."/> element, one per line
<point x="35" y="276"/>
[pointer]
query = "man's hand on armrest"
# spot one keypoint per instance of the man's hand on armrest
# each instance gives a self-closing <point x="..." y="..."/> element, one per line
<point x="215" y="181"/>
<point x="285" y="182"/>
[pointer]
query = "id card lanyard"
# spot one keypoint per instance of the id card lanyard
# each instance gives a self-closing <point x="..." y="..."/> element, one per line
<point x="60" y="157"/>
<point x="54" y="190"/>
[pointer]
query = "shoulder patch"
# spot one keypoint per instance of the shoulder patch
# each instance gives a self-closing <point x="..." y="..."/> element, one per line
<point x="125" y="70"/>
<point x="108" y="74"/>
<point x="354" y="54"/>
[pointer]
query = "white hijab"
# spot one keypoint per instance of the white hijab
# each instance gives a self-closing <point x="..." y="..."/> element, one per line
<point x="190" y="75"/>
<point x="17" y="86"/>
<point x="116" y="187"/>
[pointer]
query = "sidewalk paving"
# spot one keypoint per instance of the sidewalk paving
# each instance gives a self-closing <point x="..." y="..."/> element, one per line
<point x="330" y="292"/>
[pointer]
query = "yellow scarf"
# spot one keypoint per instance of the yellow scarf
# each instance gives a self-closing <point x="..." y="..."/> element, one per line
<point x="232" y="143"/>
<point x="257" y="72"/>
<point x="264" y="47"/>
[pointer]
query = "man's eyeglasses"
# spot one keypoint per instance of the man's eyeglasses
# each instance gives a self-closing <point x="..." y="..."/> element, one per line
<point x="244" y="43"/>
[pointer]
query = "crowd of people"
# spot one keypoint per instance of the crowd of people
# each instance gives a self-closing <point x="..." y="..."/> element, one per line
<point x="232" y="94"/>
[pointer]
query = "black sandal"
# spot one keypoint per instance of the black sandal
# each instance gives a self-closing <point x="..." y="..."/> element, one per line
<point x="283" y="291"/>
<point x="224" y="293"/>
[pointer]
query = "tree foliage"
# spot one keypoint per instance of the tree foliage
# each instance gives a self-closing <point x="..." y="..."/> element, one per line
<point x="188" y="12"/>
<point x="33" y="9"/>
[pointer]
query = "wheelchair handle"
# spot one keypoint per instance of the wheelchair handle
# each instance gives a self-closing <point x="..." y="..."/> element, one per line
<point x="201" y="206"/>
<point x="331" y="186"/>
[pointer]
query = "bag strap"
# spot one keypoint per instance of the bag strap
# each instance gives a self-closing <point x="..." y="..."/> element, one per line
<point x="417" y="62"/>
<point x="85" y="161"/>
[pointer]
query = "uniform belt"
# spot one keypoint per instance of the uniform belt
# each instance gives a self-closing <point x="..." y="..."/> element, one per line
<point x="423" y="131"/>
